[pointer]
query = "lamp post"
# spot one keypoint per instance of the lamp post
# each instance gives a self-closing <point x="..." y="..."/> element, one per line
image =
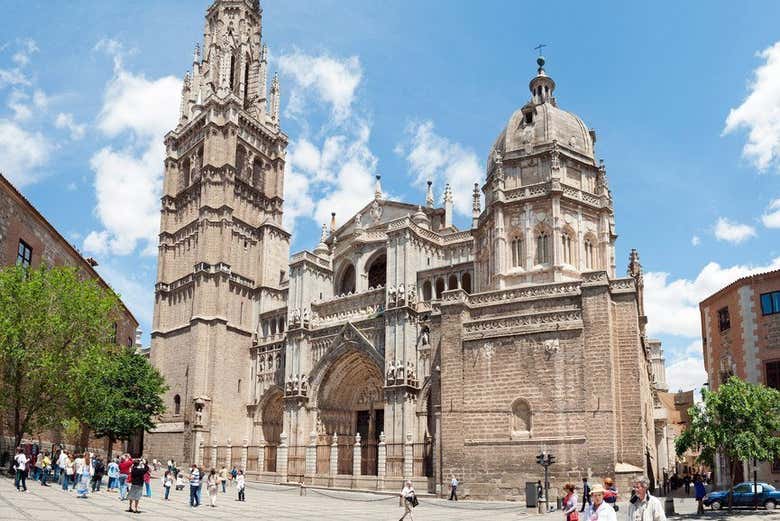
<point x="545" y="460"/>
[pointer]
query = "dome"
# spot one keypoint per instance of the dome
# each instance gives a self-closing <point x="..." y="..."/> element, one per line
<point x="540" y="122"/>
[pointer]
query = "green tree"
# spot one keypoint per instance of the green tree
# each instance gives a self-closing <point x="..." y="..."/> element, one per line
<point x="49" y="318"/>
<point x="117" y="393"/>
<point x="739" y="420"/>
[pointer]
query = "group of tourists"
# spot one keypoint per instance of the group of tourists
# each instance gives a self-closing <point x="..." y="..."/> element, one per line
<point x="129" y="477"/>
<point x="599" y="502"/>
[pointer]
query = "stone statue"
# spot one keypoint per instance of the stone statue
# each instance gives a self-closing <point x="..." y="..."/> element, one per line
<point x="198" y="415"/>
<point x="391" y="293"/>
<point x="400" y="292"/>
<point x="306" y="316"/>
<point x="412" y="294"/>
<point x="358" y="220"/>
<point x="296" y="316"/>
<point x="425" y="338"/>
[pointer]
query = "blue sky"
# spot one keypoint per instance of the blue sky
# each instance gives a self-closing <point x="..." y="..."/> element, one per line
<point x="685" y="98"/>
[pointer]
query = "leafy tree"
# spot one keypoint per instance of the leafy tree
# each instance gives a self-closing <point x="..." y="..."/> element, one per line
<point x="739" y="420"/>
<point x="117" y="393"/>
<point x="49" y="318"/>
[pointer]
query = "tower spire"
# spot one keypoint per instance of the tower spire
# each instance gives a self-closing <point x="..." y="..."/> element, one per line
<point x="378" y="187"/>
<point x="429" y="195"/>
<point x="475" y="206"/>
<point x="541" y="86"/>
<point x="447" y="206"/>
<point x="275" y="99"/>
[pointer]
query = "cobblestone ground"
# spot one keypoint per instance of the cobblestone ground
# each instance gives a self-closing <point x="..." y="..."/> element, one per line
<point x="283" y="503"/>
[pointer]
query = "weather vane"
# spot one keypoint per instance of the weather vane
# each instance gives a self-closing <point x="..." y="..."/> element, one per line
<point x="540" y="47"/>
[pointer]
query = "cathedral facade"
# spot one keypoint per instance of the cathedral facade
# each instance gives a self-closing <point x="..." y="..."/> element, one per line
<point x="399" y="346"/>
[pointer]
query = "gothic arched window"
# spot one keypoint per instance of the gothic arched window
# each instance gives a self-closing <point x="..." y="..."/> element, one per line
<point x="566" y="252"/>
<point x="439" y="287"/>
<point x="518" y="252"/>
<point x="427" y="291"/>
<point x="377" y="272"/>
<point x="452" y="283"/>
<point x="185" y="173"/>
<point x="347" y="281"/>
<point x="521" y="419"/>
<point x="177" y="404"/>
<point x="240" y="161"/>
<point x="465" y="282"/>
<point x="542" y="247"/>
<point x="257" y="174"/>
<point x="590" y="253"/>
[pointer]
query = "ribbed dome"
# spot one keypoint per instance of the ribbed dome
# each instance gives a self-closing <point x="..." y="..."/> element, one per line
<point x="548" y="122"/>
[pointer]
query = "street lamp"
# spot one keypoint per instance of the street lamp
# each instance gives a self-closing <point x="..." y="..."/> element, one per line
<point x="545" y="460"/>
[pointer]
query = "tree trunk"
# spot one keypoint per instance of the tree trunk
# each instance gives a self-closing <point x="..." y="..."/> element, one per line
<point x="731" y="482"/>
<point x="110" y="449"/>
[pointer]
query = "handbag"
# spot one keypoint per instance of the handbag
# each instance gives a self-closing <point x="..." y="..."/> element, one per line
<point x="413" y="500"/>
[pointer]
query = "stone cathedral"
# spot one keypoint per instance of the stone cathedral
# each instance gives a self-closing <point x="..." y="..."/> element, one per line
<point x="399" y="346"/>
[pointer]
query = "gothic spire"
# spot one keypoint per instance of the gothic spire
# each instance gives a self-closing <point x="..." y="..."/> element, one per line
<point x="275" y="99"/>
<point x="378" y="187"/>
<point x="475" y="206"/>
<point x="447" y="206"/>
<point x="429" y="195"/>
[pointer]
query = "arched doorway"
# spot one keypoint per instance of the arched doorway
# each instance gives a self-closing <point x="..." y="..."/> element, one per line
<point x="377" y="271"/>
<point x="350" y="400"/>
<point x="272" y="422"/>
<point x="346" y="281"/>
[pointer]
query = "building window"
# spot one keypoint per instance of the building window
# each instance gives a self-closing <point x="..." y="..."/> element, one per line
<point x="542" y="248"/>
<point x="724" y="321"/>
<point x="770" y="303"/>
<point x="427" y="291"/>
<point x="773" y="375"/>
<point x="177" y="404"/>
<point x="24" y="254"/>
<point x="590" y="258"/>
<point x="114" y="332"/>
<point x="521" y="419"/>
<point x="568" y="258"/>
<point x="518" y="252"/>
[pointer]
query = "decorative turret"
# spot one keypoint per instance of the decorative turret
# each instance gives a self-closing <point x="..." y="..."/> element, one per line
<point x="275" y="99"/>
<point x="185" y="99"/>
<point x="475" y="207"/>
<point x="429" y="195"/>
<point x="447" y="207"/>
<point x="378" y="187"/>
<point x="421" y="219"/>
<point x="332" y="222"/>
<point x="322" y="248"/>
<point x="262" y="97"/>
<point x="542" y="86"/>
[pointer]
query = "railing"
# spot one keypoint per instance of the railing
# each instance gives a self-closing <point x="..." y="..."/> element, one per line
<point x="423" y="459"/>
<point x="323" y="454"/>
<point x="368" y="457"/>
<point x="252" y="455"/>
<point x="206" y="457"/>
<point x="270" y="458"/>
<point x="221" y="457"/>
<point x="395" y="459"/>
<point x="345" y="446"/>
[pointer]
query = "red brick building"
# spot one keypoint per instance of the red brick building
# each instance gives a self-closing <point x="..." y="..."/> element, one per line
<point x="26" y="237"/>
<point x="740" y="328"/>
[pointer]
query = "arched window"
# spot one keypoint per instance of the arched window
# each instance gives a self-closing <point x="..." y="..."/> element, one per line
<point x="518" y="252"/>
<point x="246" y="79"/>
<point x="377" y="272"/>
<point x="240" y="161"/>
<point x="566" y="253"/>
<point x="185" y="173"/>
<point x="177" y="404"/>
<point x="239" y="385"/>
<point x="427" y="291"/>
<point x="452" y="283"/>
<point x="347" y="281"/>
<point x="521" y="419"/>
<point x="232" y="72"/>
<point x="542" y="247"/>
<point x="439" y="287"/>
<point x="590" y="253"/>
<point x="465" y="282"/>
<point x="257" y="174"/>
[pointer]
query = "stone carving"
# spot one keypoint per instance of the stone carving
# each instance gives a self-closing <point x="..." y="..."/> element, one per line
<point x="359" y="221"/>
<point x="555" y="156"/>
<point x="296" y="316"/>
<point x="391" y="295"/>
<point x="526" y="320"/>
<point x="401" y="298"/>
<point x="499" y="160"/>
<point x="551" y="347"/>
<point x="425" y="339"/>
<point x="376" y="210"/>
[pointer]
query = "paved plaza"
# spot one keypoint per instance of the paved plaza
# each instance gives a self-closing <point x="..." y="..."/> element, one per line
<point x="282" y="503"/>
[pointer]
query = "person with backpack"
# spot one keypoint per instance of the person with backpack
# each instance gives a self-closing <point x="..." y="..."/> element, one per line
<point x="99" y="470"/>
<point x="20" y="466"/>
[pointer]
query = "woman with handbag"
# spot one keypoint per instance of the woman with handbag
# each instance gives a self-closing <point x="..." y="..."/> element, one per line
<point x="410" y="500"/>
<point x="570" y="503"/>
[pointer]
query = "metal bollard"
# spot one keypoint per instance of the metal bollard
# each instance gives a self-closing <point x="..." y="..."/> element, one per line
<point x="669" y="506"/>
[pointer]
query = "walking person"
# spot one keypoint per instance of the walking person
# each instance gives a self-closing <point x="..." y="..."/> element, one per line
<point x="240" y="485"/>
<point x="38" y="466"/>
<point x="125" y="466"/>
<point x="147" y="480"/>
<point x="67" y="472"/>
<point x="585" y="494"/>
<point x="83" y="467"/>
<point x="701" y="491"/>
<point x="55" y="465"/>
<point x="167" y="483"/>
<point x="137" y="473"/>
<point x="410" y="500"/>
<point x="570" y="503"/>
<point x="46" y="468"/>
<point x="454" y="489"/>
<point x="113" y="475"/>
<point x="62" y="460"/>
<point x="599" y="510"/>
<point x="610" y="493"/>
<point x="212" y="484"/>
<point x="223" y="477"/>
<point x="646" y="507"/>
<point x="194" y="486"/>
<point x="20" y="466"/>
<point x="99" y="471"/>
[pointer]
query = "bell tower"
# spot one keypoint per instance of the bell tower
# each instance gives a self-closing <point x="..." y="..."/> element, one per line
<point x="223" y="253"/>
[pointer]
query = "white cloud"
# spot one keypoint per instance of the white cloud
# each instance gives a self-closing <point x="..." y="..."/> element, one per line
<point x="434" y="157"/>
<point x="672" y="306"/>
<point x="333" y="81"/>
<point x="760" y="112"/>
<point x="771" y="217"/>
<point x="686" y="374"/>
<point x="66" y="121"/>
<point x="22" y="153"/>
<point x="128" y="175"/>
<point x="695" y="240"/>
<point x="135" y="293"/>
<point x="733" y="232"/>
<point x="15" y="76"/>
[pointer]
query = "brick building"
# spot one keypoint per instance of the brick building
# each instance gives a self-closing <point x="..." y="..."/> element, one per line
<point x="399" y="346"/>
<point x="27" y="238"/>
<point x="740" y="328"/>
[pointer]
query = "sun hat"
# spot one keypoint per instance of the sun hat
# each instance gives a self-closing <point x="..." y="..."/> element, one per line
<point x="596" y="489"/>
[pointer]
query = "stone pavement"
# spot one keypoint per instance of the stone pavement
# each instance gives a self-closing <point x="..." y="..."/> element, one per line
<point x="284" y="503"/>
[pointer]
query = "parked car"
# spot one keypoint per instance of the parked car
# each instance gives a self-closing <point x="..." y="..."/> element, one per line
<point x="744" y="496"/>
